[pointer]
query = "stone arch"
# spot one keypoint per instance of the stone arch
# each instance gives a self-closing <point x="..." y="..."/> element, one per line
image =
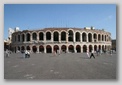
<point x="77" y="36"/>
<point x="28" y="48"/>
<point x="102" y="37"/>
<point x="84" y="48"/>
<point x="55" y="36"/>
<point x="63" y="36"/>
<point x="95" y="47"/>
<point x="89" y="37"/>
<point x="78" y="48"/>
<point x="48" y="35"/>
<point x="41" y="48"/>
<point x="71" y="48"/>
<point x="63" y="48"/>
<point x="41" y="36"/>
<point x="84" y="37"/>
<point x="70" y="35"/>
<point x="34" y="48"/>
<point x="99" y="47"/>
<point x="90" y="48"/>
<point x="48" y="49"/>
<point x="55" y="48"/>
<point x="105" y="37"/>
<point x="18" y="38"/>
<point x="95" y="37"/>
<point x="23" y="37"/>
<point x="99" y="37"/>
<point x="28" y="37"/>
<point x="103" y="48"/>
<point x="34" y="36"/>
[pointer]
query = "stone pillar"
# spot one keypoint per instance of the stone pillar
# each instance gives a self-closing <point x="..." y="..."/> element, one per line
<point x="37" y="37"/>
<point x="80" y="37"/>
<point x="51" y="37"/>
<point x="86" y="37"/>
<point x="92" y="38"/>
<point x="75" y="49"/>
<point x="74" y="37"/>
<point x="45" y="49"/>
<point x="59" y="37"/>
<point x="44" y="37"/>
<point x="37" y="49"/>
<point x="66" y="37"/>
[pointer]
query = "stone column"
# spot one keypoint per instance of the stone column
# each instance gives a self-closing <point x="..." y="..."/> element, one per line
<point x="44" y="49"/>
<point x="51" y="37"/>
<point x="59" y="37"/>
<point x="37" y="49"/>
<point x="86" y="37"/>
<point x="74" y="37"/>
<point x="80" y="37"/>
<point x="44" y="37"/>
<point x="37" y="37"/>
<point x="66" y="37"/>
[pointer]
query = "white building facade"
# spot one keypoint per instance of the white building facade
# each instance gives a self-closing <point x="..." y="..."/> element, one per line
<point x="48" y="40"/>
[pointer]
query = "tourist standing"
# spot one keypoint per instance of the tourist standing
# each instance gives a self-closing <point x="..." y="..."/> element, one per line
<point x="92" y="54"/>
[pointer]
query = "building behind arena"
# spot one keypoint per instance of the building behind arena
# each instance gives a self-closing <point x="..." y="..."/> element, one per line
<point x="66" y="39"/>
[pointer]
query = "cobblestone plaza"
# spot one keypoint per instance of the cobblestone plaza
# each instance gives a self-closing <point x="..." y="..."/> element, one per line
<point x="63" y="66"/>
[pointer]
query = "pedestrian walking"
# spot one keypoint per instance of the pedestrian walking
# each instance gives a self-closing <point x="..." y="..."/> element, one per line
<point x="92" y="54"/>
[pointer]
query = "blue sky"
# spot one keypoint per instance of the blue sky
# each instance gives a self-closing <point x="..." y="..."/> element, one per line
<point x="36" y="16"/>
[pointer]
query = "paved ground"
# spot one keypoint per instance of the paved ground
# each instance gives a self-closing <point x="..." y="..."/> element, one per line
<point x="64" y="66"/>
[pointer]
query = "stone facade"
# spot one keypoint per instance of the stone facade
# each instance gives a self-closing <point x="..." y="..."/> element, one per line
<point x="48" y="40"/>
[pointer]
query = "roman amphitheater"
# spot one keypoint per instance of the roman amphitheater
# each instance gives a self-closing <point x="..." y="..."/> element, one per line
<point x="48" y="40"/>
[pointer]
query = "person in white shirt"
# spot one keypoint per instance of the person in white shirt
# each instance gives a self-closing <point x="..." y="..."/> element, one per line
<point x="92" y="54"/>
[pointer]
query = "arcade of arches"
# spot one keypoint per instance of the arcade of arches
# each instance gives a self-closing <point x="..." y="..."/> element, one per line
<point x="62" y="48"/>
<point x="66" y="41"/>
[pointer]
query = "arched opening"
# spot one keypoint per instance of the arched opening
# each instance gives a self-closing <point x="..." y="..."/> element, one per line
<point x="55" y="48"/>
<point x="23" y="37"/>
<point x="89" y="37"/>
<point x="99" y="37"/>
<point x="95" y="47"/>
<point x="48" y="36"/>
<point x="70" y="38"/>
<point x="77" y="35"/>
<point x="99" y="47"/>
<point x="105" y="37"/>
<point x="41" y="36"/>
<point x="28" y="37"/>
<point x="90" y="48"/>
<point x="22" y="49"/>
<point x="71" y="48"/>
<point x="48" y="49"/>
<point x="84" y="37"/>
<point x="102" y="38"/>
<point x="18" y="38"/>
<point x="41" y="48"/>
<point x="34" y="36"/>
<point x="78" y="48"/>
<point x="56" y="36"/>
<point x="34" y="49"/>
<point x="28" y="48"/>
<point x="63" y="36"/>
<point x="95" y="37"/>
<point x="84" y="48"/>
<point x="63" y="48"/>
<point x="103" y="48"/>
